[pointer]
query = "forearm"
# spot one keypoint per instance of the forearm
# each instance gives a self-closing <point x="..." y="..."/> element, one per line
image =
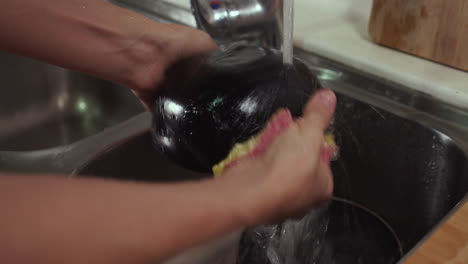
<point x="57" y="220"/>
<point x="92" y="36"/>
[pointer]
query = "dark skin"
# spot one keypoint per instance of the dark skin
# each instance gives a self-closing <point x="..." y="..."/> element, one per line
<point x="52" y="219"/>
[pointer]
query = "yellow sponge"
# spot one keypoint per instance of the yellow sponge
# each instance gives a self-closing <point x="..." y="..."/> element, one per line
<point x="242" y="149"/>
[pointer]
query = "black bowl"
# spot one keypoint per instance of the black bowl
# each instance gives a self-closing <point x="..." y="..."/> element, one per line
<point x="212" y="101"/>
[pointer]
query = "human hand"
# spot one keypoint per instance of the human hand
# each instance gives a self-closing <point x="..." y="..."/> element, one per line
<point x="293" y="174"/>
<point x="100" y="39"/>
<point x="181" y="42"/>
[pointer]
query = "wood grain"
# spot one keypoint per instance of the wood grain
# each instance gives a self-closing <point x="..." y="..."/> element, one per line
<point x="433" y="29"/>
<point x="448" y="244"/>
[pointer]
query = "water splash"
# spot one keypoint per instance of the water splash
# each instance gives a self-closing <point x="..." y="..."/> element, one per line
<point x="297" y="241"/>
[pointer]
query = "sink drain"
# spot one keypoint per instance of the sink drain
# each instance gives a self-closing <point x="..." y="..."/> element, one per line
<point x="341" y="232"/>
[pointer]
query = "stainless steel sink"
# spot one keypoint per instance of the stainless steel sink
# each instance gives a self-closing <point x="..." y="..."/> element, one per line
<point x="409" y="174"/>
<point x="403" y="154"/>
<point x="44" y="106"/>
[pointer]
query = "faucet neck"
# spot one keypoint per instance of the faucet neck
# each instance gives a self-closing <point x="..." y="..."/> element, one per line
<point x="256" y="22"/>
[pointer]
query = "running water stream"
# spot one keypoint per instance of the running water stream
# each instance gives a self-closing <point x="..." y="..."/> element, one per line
<point x="288" y="28"/>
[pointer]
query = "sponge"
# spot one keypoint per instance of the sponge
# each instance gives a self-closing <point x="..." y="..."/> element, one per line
<point x="259" y="143"/>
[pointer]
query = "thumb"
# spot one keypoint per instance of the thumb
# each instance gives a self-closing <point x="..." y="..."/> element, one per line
<point x="320" y="109"/>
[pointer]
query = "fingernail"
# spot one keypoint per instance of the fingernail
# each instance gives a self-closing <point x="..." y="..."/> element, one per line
<point x="327" y="154"/>
<point x="282" y="120"/>
<point x="327" y="98"/>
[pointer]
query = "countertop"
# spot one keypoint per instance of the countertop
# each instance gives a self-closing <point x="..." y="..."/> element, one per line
<point x="338" y="30"/>
<point x="448" y="244"/>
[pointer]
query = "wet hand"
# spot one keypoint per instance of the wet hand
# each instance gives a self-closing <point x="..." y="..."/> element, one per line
<point x="180" y="43"/>
<point x="293" y="174"/>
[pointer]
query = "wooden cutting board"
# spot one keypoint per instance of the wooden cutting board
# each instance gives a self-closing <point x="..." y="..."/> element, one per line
<point x="433" y="29"/>
<point x="448" y="244"/>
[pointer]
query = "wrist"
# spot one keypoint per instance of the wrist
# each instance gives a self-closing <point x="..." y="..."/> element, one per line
<point x="233" y="203"/>
<point x="242" y="188"/>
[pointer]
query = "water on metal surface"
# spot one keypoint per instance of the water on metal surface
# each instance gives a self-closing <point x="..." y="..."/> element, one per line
<point x="341" y="232"/>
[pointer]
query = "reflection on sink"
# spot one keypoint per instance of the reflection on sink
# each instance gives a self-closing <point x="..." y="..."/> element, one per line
<point x="44" y="106"/>
<point x="410" y="175"/>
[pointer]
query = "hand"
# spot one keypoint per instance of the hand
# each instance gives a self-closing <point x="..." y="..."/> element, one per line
<point x="293" y="174"/>
<point x="100" y="39"/>
<point x="181" y="42"/>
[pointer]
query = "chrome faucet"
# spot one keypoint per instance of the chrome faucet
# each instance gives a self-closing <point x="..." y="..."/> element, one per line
<point x="253" y="21"/>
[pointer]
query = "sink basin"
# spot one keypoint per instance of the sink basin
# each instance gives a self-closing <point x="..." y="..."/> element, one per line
<point x="44" y="106"/>
<point x="408" y="174"/>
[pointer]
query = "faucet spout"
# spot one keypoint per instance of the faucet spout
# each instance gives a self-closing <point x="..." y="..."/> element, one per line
<point x="257" y="22"/>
